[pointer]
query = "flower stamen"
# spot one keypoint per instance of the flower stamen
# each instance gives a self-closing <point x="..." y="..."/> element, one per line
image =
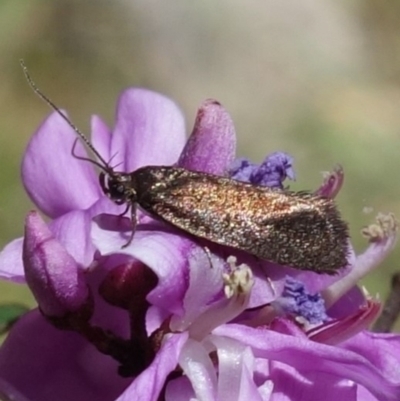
<point x="237" y="288"/>
<point x="240" y="279"/>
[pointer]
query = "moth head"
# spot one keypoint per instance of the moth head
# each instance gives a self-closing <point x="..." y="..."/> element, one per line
<point x="118" y="187"/>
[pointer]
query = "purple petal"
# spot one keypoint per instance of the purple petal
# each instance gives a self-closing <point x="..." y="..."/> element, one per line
<point x="72" y="230"/>
<point x="382" y="351"/>
<point x="11" y="267"/>
<point x="149" y="130"/>
<point x="147" y="386"/>
<point x="348" y="304"/>
<point x="235" y="371"/>
<point x="285" y="326"/>
<point x="369" y="260"/>
<point x="101" y="137"/>
<point x="336" y="331"/>
<point x="164" y="253"/>
<point x="179" y="389"/>
<point x="211" y="146"/>
<point x="47" y="364"/>
<point x="196" y="364"/>
<point x="106" y="206"/>
<point x="293" y="386"/>
<point x="364" y="395"/>
<point x="332" y="183"/>
<point x="51" y="273"/>
<point x="205" y="283"/>
<point x="55" y="180"/>
<point x="8" y="392"/>
<point x="269" y="282"/>
<point x="308" y="356"/>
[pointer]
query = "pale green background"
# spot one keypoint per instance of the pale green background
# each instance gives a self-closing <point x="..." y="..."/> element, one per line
<point x="319" y="79"/>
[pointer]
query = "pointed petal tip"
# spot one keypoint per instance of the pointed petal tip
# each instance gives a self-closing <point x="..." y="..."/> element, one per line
<point x="149" y="130"/>
<point x="56" y="181"/>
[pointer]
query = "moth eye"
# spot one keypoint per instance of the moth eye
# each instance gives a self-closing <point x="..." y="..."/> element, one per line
<point x="117" y="190"/>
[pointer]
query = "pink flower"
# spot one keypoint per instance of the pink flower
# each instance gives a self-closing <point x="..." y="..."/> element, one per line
<point x="170" y="316"/>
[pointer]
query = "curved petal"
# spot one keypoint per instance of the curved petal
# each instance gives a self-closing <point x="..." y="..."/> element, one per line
<point x="11" y="266"/>
<point x="179" y="389"/>
<point x="348" y="304"/>
<point x="55" y="180"/>
<point x="291" y="385"/>
<point x="364" y="395"/>
<point x="197" y="365"/>
<point x="212" y="144"/>
<point x="308" y="356"/>
<point x="147" y="386"/>
<point x="164" y="253"/>
<point x="47" y="364"/>
<point x="205" y="283"/>
<point x="336" y="331"/>
<point x="101" y="137"/>
<point x="369" y="260"/>
<point x="149" y="130"/>
<point x="381" y="350"/>
<point x="72" y="230"/>
<point x="333" y="182"/>
<point x="235" y="371"/>
<point x="268" y="282"/>
<point x="105" y="206"/>
<point x="106" y="315"/>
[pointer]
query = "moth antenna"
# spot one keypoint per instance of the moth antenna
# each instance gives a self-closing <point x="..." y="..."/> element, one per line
<point x="109" y="162"/>
<point x="81" y="135"/>
<point x="86" y="159"/>
<point x="115" y="167"/>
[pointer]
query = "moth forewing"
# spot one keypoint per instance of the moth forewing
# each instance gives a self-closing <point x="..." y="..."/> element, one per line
<point x="288" y="228"/>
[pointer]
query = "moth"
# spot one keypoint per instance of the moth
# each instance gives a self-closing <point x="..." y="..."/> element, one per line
<point x="296" y="229"/>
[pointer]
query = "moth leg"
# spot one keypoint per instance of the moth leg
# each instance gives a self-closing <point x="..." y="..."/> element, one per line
<point x="128" y="205"/>
<point x="133" y="222"/>
<point x="208" y="253"/>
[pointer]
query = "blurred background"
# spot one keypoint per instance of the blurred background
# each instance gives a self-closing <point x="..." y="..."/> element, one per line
<point x="319" y="79"/>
